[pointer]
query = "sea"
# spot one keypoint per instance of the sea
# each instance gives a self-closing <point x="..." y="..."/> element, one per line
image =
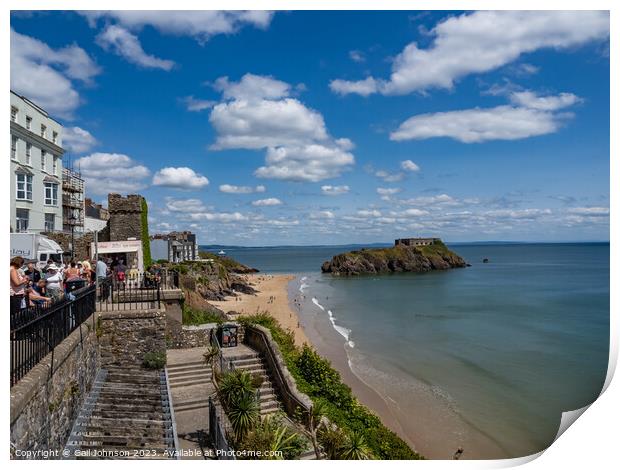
<point x="485" y="358"/>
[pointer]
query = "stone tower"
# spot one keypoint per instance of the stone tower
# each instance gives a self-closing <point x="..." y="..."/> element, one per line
<point x="125" y="216"/>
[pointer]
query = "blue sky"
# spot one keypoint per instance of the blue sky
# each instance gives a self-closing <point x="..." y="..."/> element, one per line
<point x="260" y="128"/>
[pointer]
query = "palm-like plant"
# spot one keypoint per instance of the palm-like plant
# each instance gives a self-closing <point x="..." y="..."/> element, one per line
<point x="209" y="356"/>
<point x="355" y="448"/>
<point x="235" y="385"/>
<point x="243" y="413"/>
<point x="332" y="439"/>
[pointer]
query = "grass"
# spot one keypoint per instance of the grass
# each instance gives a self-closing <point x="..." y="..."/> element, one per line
<point x="193" y="316"/>
<point x="316" y="377"/>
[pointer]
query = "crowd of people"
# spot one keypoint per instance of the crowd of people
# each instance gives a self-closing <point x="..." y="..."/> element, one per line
<point x="34" y="287"/>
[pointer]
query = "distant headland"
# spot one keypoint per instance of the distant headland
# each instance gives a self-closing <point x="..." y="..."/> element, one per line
<point x="407" y="255"/>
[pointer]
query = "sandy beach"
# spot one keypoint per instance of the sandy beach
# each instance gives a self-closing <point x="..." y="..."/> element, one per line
<point x="272" y="297"/>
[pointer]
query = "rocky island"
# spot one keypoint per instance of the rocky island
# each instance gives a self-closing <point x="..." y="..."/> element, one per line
<point x="407" y="255"/>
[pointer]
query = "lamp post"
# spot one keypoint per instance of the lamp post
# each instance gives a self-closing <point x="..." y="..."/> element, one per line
<point x="72" y="220"/>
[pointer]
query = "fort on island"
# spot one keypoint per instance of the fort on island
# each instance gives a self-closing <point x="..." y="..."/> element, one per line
<point x="415" y="241"/>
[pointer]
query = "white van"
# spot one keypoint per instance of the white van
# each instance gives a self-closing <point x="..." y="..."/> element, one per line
<point x="32" y="246"/>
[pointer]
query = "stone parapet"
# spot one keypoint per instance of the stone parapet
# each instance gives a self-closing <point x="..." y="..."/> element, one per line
<point x="126" y="336"/>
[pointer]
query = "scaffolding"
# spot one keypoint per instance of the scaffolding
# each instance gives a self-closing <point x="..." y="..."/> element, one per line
<point x="72" y="200"/>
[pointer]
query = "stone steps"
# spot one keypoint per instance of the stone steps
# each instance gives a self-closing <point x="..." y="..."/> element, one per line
<point x="126" y="415"/>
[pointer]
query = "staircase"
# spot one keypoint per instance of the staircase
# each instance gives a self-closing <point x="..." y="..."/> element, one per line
<point x="187" y="375"/>
<point x="127" y="415"/>
<point x="252" y="362"/>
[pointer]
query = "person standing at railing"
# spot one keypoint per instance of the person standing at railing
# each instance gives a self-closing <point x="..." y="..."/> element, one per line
<point x="18" y="283"/>
<point x="53" y="282"/>
<point x="87" y="272"/>
<point x="133" y="277"/>
<point x="32" y="272"/>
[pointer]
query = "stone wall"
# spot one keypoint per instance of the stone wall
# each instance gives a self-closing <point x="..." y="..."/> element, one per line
<point x="125" y="216"/>
<point x="45" y="402"/>
<point x="126" y="336"/>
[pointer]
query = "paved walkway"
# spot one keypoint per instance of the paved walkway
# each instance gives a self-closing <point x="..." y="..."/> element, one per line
<point x="191" y="386"/>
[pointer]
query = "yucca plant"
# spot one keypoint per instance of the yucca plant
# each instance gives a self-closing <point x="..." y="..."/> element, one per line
<point x="243" y="413"/>
<point x="332" y="439"/>
<point x="354" y="447"/>
<point x="209" y="356"/>
<point x="234" y="385"/>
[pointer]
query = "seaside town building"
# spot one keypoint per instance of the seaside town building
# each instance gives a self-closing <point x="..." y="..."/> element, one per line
<point x="174" y="246"/>
<point x="36" y="168"/>
<point x="415" y="241"/>
<point x="95" y="216"/>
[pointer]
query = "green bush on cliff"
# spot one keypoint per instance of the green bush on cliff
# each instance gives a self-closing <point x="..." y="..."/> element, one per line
<point x="193" y="316"/>
<point x="316" y="377"/>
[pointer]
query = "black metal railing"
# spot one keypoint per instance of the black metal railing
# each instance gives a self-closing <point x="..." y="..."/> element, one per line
<point x="131" y="292"/>
<point x="134" y="291"/>
<point x="217" y="436"/>
<point x="36" y="331"/>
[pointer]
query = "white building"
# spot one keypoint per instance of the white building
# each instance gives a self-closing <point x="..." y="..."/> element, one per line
<point x="36" y="168"/>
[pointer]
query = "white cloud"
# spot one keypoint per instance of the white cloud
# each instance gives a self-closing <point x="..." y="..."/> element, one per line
<point x="364" y="87"/>
<point x="388" y="191"/>
<point x="252" y="87"/>
<point x="329" y="190"/>
<point x="408" y="165"/>
<point x="483" y="124"/>
<point x="196" y="105"/>
<point x="201" y="25"/>
<point x="407" y="213"/>
<point x="185" y="205"/>
<point x="590" y="211"/>
<point x="231" y="189"/>
<point x="357" y="56"/>
<point x="112" y="173"/>
<point x="127" y="45"/>
<point x="314" y="162"/>
<point x="390" y="177"/>
<point x="77" y="140"/>
<point x="480" y="42"/>
<point x="222" y="217"/>
<point x="257" y="113"/>
<point x="270" y="201"/>
<point x="45" y="75"/>
<point x="180" y="178"/>
<point x="322" y="215"/>
<point x="368" y="213"/>
<point x="529" y="99"/>
<point x="265" y="123"/>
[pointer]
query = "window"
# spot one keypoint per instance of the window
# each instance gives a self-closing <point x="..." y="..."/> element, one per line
<point x="28" y="154"/>
<point x="43" y="160"/>
<point x="49" y="222"/>
<point x="51" y="194"/>
<point x="24" y="187"/>
<point x="28" y="122"/>
<point x="54" y="165"/>
<point x="21" y="219"/>
<point x="14" y="114"/>
<point x="13" y="147"/>
<point x="43" y="131"/>
<point x="55" y="137"/>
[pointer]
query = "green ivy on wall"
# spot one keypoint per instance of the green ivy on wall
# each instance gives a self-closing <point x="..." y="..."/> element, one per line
<point x="146" y="242"/>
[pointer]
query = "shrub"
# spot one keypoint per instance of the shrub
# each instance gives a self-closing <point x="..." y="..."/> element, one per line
<point x="154" y="360"/>
<point x="199" y="317"/>
<point x="271" y="434"/>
